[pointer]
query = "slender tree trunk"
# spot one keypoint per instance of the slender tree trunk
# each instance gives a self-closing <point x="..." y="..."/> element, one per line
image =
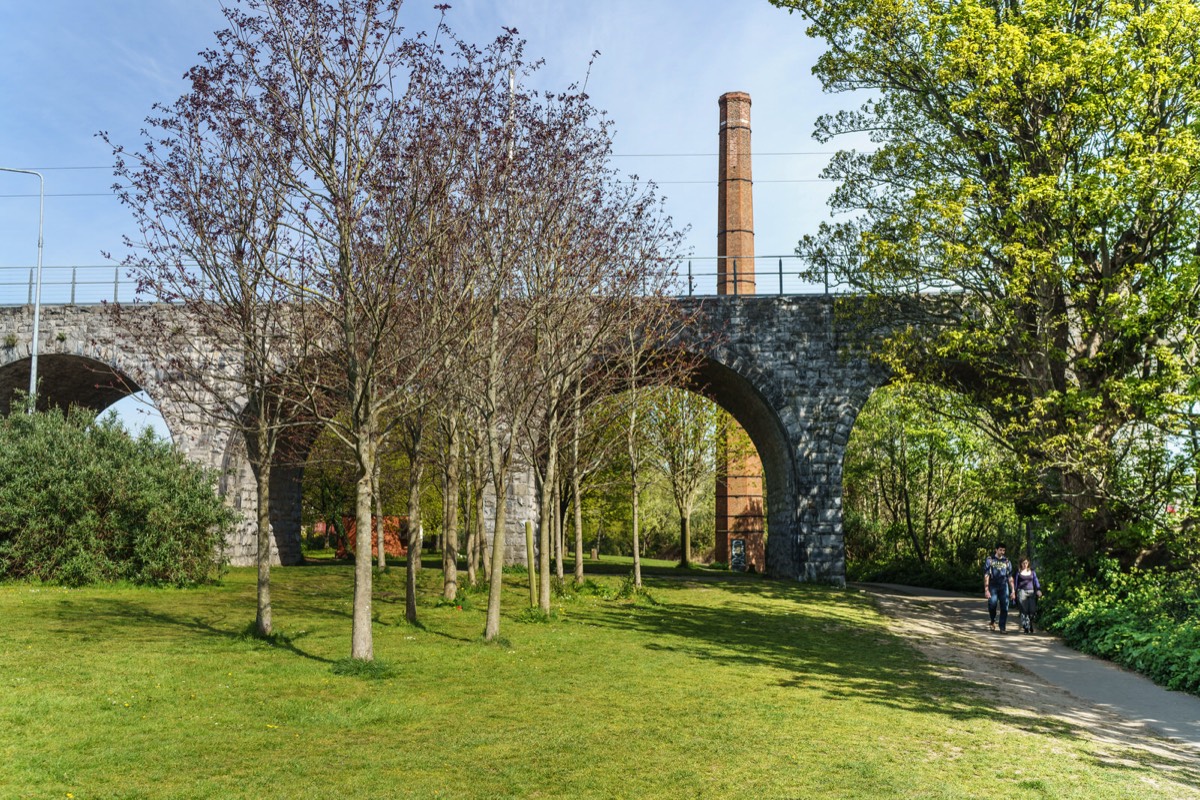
<point x="631" y="443"/>
<point x="544" y="525"/>
<point x="260" y="447"/>
<point x="472" y="538"/>
<point x="415" y="469"/>
<point x="637" y="546"/>
<point x="558" y="531"/>
<point x="543" y="552"/>
<point x="576" y="494"/>
<point x="262" y="620"/>
<point x="685" y="539"/>
<point x="491" y="628"/>
<point x="376" y="483"/>
<point x="496" y="578"/>
<point x="414" y="536"/>
<point x="450" y="517"/>
<point x="361" y="644"/>
<point x="481" y="551"/>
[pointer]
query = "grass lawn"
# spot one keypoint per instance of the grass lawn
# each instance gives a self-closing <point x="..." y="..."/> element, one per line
<point x="741" y="688"/>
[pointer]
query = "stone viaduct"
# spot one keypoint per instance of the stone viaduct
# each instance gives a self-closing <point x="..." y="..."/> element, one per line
<point x="790" y="369"/>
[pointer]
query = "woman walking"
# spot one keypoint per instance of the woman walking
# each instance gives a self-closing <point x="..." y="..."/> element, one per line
<point x="1028" y="591"/>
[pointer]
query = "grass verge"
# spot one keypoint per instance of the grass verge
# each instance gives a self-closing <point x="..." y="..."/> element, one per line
<point x="744" y="688"/>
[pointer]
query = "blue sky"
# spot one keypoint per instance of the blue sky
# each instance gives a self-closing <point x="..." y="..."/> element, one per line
<point x="70" y="68"/>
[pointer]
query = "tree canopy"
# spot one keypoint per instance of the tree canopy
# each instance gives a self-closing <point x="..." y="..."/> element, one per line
<point x="1038" y="161"/>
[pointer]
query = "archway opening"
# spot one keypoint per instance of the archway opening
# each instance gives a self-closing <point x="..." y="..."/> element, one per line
<point x="719" y="426"/>
<point x="927" y="490"/>
<point x="66" y="380"/>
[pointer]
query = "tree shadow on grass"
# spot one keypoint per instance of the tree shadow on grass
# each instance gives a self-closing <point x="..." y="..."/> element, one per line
<point x="105" y="613"/>
<point x="811" y="637"/>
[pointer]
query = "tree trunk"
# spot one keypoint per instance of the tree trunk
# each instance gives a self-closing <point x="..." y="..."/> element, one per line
<point x="361" y="644"/>
<point x="558" y="530"/>
<point x="1085" y="518"/>
<point x="262" y="620"/>
<point x="472" y="539"/>
<point x="637" y="547"/>
<point x="260" y="450"/>
<point x="546" y="508"/>
<point x="631" y="443"/>
<point x="481" y="536"/>
<point x="450" y="518"/>
<point x="496" y="579"/>
<point x="576" y="504"/>
<point x="416" y="467"/>
<point x="576" y="494"/>
<point x="382" y="559"/>
<point x="685" y="539"/>
<point x="543" y="560"/>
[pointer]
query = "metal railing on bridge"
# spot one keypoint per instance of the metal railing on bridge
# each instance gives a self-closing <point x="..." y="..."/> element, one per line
<point x="66" y="285"/>
<point x="694" y="277"/>
<point x="763" y="275"/>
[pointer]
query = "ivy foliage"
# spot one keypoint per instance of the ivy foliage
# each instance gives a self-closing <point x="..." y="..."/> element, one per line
<point x="1144" y="619"/>
<point x="82" y="501"/>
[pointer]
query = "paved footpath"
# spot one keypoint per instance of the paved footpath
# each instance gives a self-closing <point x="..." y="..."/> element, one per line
<point x="1174" y="715"/>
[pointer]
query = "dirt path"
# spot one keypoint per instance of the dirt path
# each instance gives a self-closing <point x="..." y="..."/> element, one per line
<point x="956" y="639"/>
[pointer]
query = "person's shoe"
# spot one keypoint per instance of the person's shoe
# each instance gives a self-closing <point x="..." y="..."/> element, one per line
<point x="991" y="626"/>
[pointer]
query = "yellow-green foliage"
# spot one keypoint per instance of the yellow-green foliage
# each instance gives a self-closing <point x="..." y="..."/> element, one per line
<point x="1036" y="158"/>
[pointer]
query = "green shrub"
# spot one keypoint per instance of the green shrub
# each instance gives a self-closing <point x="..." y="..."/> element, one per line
<point x="82" y="501"/>
<point x="1146" y="620"/>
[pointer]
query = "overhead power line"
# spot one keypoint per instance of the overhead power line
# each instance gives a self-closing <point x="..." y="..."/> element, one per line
<point x="659" y="183"/>
<point x="614" y="155"/>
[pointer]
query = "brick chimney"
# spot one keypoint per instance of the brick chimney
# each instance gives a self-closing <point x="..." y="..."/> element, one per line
<point x="740" y="514"/>
<point x="735" y="198"/>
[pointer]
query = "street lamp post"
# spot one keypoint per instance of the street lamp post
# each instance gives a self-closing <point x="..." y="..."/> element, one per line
<point x="37" y="297"/>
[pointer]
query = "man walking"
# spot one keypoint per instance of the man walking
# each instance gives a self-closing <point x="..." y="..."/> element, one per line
<point x="998" y="586"/>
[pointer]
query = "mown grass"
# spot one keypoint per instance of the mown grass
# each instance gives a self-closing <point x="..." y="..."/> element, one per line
<point x="746" y="688"/>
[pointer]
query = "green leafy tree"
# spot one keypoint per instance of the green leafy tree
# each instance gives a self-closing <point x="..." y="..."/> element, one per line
<point x="682" y="429"/>
<point x="1039" y="160"/>
<point x="924" y="489"/>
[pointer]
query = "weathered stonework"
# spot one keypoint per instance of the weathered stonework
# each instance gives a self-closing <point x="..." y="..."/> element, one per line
<point x="785" y="367"/>
<point x="795" y="378"/>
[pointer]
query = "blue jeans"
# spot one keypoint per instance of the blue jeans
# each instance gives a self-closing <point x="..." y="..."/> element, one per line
<point x="998" y="598"/>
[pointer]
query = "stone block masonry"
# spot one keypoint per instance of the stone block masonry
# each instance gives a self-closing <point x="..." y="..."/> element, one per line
<point x="792" y="374"/>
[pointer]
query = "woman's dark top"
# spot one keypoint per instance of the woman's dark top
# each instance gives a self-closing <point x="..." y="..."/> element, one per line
<point x="1028" y="583"/>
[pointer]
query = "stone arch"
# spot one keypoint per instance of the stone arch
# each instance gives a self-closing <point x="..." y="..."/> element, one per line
<point x="741" y="392"/>
<point x="82" y="360"/>
<point x="66" y="380"/>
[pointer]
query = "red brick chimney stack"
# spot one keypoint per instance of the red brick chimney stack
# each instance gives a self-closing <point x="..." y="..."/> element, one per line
<point x="740" y="521"/>
<point x="735" y="198"/>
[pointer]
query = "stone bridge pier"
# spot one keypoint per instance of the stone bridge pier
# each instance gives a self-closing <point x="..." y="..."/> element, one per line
<point x="793" y="372"/>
